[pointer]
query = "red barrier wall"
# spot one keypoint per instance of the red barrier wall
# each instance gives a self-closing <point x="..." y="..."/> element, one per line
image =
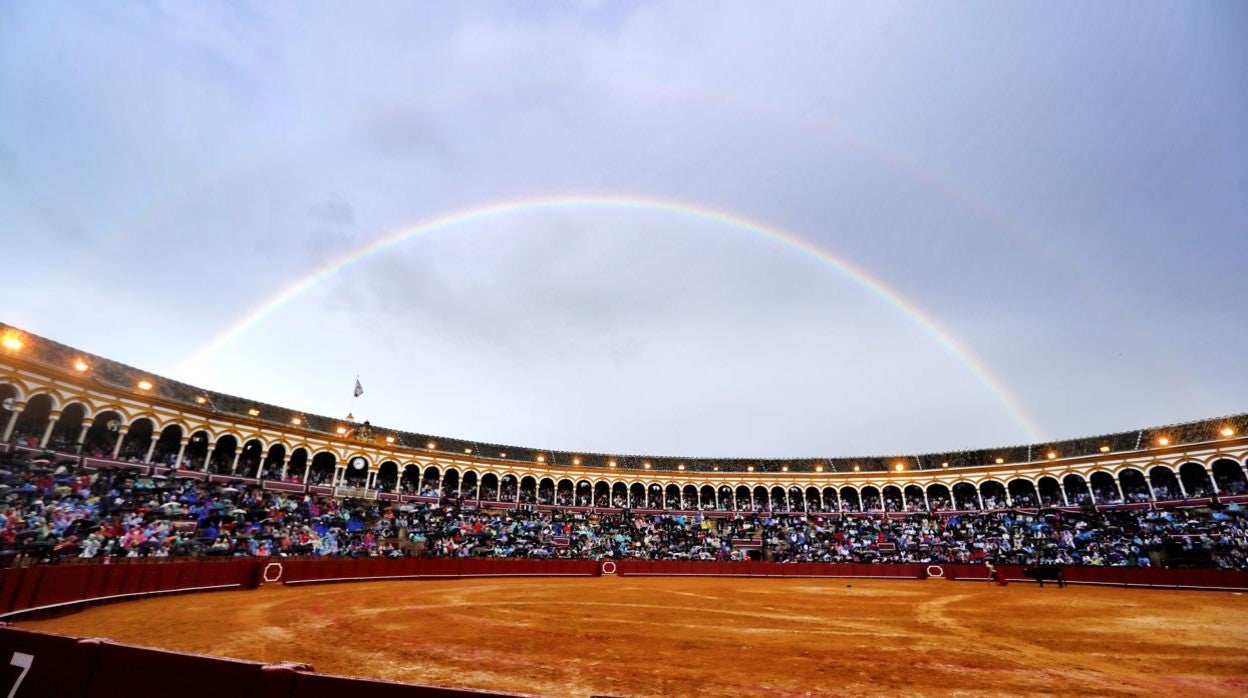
<point x="309" y="571"/>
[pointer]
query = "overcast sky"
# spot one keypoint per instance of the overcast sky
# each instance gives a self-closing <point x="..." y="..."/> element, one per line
<point x="1060" y="187"/>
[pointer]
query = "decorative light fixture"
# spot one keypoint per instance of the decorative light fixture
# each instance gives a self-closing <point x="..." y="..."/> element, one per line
<point x="80" y="365"/>
<point x="1000" y="461"/>
<point x="945" y="464"/>
<point x="818" y="468"/>
<point x="576" y="461"/>
<point x="1104" y="449"/>
<point x="1163" y="441"/>
<point x="202" y="400"/>
<point x="296" y="421"/>
<point x="467" y="450"/>
<point x="784" y="468"/>
<point x="611" y="464"/>
<point x="716" y="468"/>
<point x="11" y="341"/>
<point x="1227" y="431"/>
<point x="389" y="439"/>
<point x="145" y="385"/>
<point x="750" y="469"/>
<point x="341" y="430"/>
<point x="899" y="466"/>
<point x="253" y="412"/>
<point x="541" y="459"/>
<point x="1051" y="455"/>
<point x="681" y="466"/>
<point x="431" y="445"/>
<point x="502" y="455"/>
<point x="646" y="466"/>
<point x="857" y="468"/>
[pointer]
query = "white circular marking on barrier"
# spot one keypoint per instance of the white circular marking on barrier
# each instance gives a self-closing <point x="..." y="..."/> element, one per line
<point x="940" y="571"/>
<point x="608" y="570"/>
<point x="271" y="565"/>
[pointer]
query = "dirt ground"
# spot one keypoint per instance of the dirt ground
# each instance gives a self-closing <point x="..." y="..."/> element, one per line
<point x="715" y="637"/>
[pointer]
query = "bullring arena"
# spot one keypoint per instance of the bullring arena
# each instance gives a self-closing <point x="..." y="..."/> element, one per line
<point x="159" y="535"/>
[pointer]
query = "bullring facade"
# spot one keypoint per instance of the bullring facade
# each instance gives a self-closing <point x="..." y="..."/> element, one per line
<point x="60" y="399"/>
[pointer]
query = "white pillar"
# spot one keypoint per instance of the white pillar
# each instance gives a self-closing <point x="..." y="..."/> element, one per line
<point x="47" y="433"/>
<point x="82" y="434"/>
<point x="307" y="468"/>
<point x="151" y="448"/>
<point x="8" y="429"/>
<point x="234" y="466"/>
<point x="121" y="436"/>
<point x="285" y="464"/>
<point x="926" y="504"/>
<point x="1061" y="487"/>
<point x="1213" y="481"/>
<point x="980" y="498"/>
<point x="182" y="442"/>
<point x="208" y="455"/>
<point x="1118" y="486"/>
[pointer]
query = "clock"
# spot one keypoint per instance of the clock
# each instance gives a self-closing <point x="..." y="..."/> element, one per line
<point x="358" y="463"/>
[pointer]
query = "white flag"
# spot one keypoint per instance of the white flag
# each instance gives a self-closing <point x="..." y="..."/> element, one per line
<point x="359" y="389"/>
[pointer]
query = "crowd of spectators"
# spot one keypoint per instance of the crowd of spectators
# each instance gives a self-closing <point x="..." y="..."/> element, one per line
<point x="51" y="512"/>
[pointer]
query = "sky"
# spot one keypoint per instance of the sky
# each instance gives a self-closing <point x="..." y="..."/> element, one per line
<point x="688" y="228"/>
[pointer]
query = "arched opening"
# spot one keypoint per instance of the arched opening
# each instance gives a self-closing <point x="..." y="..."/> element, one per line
<point x="1104" y="488"/>
<point x="689" y="498"/>
<point x="724" y="499"/>
<point x="489" y="488"/>
<point x="761" y="499"/>
<point x="1195" y="480"/>
<point x="68" y="428"/>
<point x="136" y="440"/>
<point x="102" y="436"/>
<point x="450" y="483"/>
<point x="814" y="502"/>
<point x="584" y="493"/>
<point x="965" y="497"/>
<point x="706" y="497"/>
<point x="797" y="499"/>
<point x="222" y="457"/>
<point x="508" y="488"/>
<point x="637" y="496"/>
<point x="1023" y="492"/>
<point x="1134" y="486"/>
<point x="743" y="498"/>
<point x="546" y="491"/>
<point x="388" y="476"/>
<point x="993" y="494"/>
<point x="32" y="422"/>
<point x="431" y="482"/>
<point x="1165" y="484"/>
<point x="249" y="459"/>
<point x="850" y="500"/>
<point x="654" y="497"/>
<point x="830" y="501"/>
<point x="8" y="395"/>
<point x="468" y="489"/>
<point x="914" y="498"/>
<point x="1050" y="492"/>
<point x="1076" y="489"/>
<point x="528" y="490"/>
<point x="602" y="494"/>
<point x="1229" y="476"/>
<point x="167" y="445"/>
<point x="565" y="493"/>
<point x="870" y="498"/>
<point x="297" y="468"/>
<point x="355" y="471"/>
<point x="274" y="462"/>
<point x="619" y="495"/>
<point x="938" y="497"/>
<point x="671" y="496"/>
<point x="891" y="496"/>
<point x="322" y="468"/>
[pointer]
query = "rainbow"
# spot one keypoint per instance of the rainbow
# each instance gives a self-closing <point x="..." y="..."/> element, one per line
<point x="929" y="325"/>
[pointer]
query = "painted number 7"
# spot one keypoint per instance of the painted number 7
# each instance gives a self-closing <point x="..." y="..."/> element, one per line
<point x="24" y="661"/>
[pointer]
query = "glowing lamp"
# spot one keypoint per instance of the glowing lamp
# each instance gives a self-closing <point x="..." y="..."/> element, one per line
<point x="253" y="412"/>
<point x="145" y="385"/>
<point x="341" y="430"/>
<point x="1163" y="441"/>
<point x="1227" y="431"/>
<point x="80" y="365"/>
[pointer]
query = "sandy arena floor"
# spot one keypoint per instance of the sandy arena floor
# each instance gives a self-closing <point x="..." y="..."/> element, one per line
<point x="723" y="637"/>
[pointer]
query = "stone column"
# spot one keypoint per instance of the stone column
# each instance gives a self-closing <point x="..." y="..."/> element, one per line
<point x="8" y="429"/>
<point x="182" y="442"/>
<point x="47" y="433"/>
<point x="151" y="448"/>
<point x="121" y="437"/>
<point x="82" y="433"/>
